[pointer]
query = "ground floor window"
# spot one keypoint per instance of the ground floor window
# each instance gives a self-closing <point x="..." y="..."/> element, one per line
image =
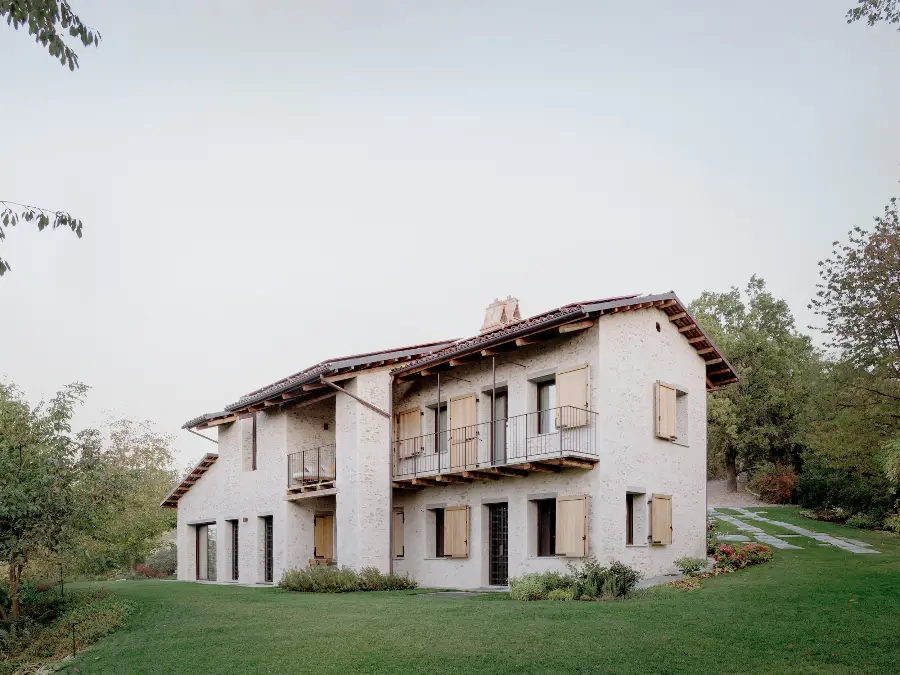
<point x="546" y="527"/>
<point x="438" y="533"/>
<point x="233" y="524"/>
<point x="268" y="550"/>
<point x="206" y="552"/>
<point x="635" y="519"/>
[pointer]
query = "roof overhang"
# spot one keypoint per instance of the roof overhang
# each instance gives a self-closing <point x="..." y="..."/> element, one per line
<point x="571" y="319"/>
<point x="171" y="500"/>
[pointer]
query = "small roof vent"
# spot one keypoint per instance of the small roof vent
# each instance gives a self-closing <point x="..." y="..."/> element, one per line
<point x="501" y="312"/>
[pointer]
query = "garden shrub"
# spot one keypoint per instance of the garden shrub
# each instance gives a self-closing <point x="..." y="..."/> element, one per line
<point x="775" y="484"/>
<point x="328" y="579"/>
<point x="163" y="561"/>
<point x="690" y="566"/>
<point x="528" y="587"/>
<point x="892" y="523"/>
<point x="563" y="594"/>
<point x="711" y="540"/>
<point x="593" y="580"/>
<point x="818" y="487"/>
<point x="728" y="558"/>
<point x="863" y="521"/>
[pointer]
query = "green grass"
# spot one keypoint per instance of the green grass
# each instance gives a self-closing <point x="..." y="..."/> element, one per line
<point x="818" y="610"/>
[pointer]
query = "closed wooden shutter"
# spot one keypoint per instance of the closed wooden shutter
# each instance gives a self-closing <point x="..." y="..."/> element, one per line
<point x="573" y="392"/>
<point x="661" y="519"/>
<point x="456" y="531"/>
<point x="665" y="411"/>
<point x="323" y="536"/>
<point x="463" y="445"/>
<point x="571" y="526"/>
<point x="398" y="547"/>
<point x="409" y="430"/>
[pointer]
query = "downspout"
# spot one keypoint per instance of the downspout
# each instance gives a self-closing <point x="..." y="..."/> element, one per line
<point x="391" y="475"/>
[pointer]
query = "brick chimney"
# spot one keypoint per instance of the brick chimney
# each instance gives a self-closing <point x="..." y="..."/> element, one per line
<point x="501" y="312"/>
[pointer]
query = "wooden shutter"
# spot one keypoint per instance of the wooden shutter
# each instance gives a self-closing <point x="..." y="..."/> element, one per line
<point x="661" y="519"/>
<point x="463" y="445"/>
<point x="571" y="526"/>
<point x="573" y="389"/>
<point x="323" y="537"/>
<point x="409" y="429"/>
<point x="398" y="547"/>
<point x="665" y="411"/>
<point x="456" y="531"/>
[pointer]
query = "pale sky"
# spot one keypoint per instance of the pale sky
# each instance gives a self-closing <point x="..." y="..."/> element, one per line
<point x="268" y="184"/>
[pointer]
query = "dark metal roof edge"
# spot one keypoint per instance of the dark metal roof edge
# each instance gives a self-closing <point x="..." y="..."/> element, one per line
<point x="502" y="337"/>
<point x="190" y="424"/>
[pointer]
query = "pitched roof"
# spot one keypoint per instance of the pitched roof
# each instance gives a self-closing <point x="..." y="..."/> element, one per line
<point x="171" y="499"/>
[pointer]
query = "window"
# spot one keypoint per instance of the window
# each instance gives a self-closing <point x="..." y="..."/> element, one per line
<point x="498" y="438"/>
<point x="661" y="519"/>
<point x="672" y="413"/>
<point x="546" y="401"/>
<point x="546" y="527"/>
<point x="234" y="549"/>
<point x="268" y="550"/>
<point x="629" y="520"/>
<point x="438" y="533"/>
<point x="398" y="549"/>
<point x="206" y="552"/>
<point x="440" y="429"/>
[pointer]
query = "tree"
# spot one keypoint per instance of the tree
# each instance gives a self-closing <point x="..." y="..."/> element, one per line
<point x="859" y="299"/>
<point x="47" y="21"/>
<point x="38" y="465"/>
<point x="875" y="11"/>
<point x="122" y="482"/>
<point x="759" y="418"/>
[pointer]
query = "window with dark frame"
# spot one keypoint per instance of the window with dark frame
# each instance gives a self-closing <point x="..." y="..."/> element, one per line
<point x="268" y="551"/>
<point x="440" y="425"/>
<point x="253" y="445"/>
<point x="546" y="527"/>
<point x="546" y="402"/>
<point x="439" y="533"/>
<point x="234" y="550"/>
<point x="629" y="519"/>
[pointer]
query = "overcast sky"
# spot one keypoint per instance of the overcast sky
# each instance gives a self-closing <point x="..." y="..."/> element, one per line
<point x="268" y="184"/>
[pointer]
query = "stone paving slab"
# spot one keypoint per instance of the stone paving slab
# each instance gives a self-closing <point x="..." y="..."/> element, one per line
<point x="855" y="542"/>
<point x="820" y="537"/>
<point x="772" y="540"/>
<point x="732" y="537"/>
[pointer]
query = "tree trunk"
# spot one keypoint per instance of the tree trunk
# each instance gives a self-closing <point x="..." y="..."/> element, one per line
<point x="730" y="475"/>
<point x="15" y="573"/>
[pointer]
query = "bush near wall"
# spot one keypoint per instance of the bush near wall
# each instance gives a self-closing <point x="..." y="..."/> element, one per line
<point x="328" y="579"/>
<point x="588" y="580"/>
<point x="775" y="484"/>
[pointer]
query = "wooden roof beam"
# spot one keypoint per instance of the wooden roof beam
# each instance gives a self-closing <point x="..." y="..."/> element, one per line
<point x="720" y="371"/>
<point x="576" y="326"/>
<point x="695" y="340"/>
<point x="675" y="317"/>
<point x="713" y="362"/>
<point x="685" y="329"/>
<point x="706" y="350"/>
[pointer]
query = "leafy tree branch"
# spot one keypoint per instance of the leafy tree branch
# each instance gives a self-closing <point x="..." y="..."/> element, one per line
<point x="13" y="212"/>
<point x="48" y="21"/>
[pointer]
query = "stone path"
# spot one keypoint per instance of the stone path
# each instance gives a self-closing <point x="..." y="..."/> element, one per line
<point x="845" y="543"/>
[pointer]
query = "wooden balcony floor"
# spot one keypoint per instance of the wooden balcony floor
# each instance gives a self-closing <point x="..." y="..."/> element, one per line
<point x="495" y="471"/>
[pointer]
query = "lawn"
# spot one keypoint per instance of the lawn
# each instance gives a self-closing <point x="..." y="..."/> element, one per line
<point x="817" y="610"/>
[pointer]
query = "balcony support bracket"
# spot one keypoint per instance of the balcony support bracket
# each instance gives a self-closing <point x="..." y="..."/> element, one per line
<point x="354" y="397"/>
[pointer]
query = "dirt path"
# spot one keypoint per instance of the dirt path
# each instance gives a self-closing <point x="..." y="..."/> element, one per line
<point x="717" y="496"/>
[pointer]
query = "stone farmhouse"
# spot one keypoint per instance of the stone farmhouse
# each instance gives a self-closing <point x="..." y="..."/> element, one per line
<point x="465" y="462"/>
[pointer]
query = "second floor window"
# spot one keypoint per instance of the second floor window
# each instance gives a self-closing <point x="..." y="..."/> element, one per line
<point x="442" y="432"/>
<point x="546" y="402"/>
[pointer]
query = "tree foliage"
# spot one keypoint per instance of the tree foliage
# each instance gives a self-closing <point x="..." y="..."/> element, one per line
<point x="760" y="418"/>
<point x="38" y="469"/>
<point x="12" y="213"/>
<point x="875" y="11"/>
<point x="48" y="21"/>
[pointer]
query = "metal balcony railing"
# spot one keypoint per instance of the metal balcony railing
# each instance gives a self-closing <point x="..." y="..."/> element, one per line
<point x="558" y="432"/>
<point x="310" y="467"/>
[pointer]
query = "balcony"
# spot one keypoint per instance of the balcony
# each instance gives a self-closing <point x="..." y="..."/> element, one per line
<point x="311" y="470"/>
<point x="545" y="441"/>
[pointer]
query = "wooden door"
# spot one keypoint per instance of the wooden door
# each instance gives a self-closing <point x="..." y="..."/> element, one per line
<point x="463" y="443"/>
<point x="323" y="536"/>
